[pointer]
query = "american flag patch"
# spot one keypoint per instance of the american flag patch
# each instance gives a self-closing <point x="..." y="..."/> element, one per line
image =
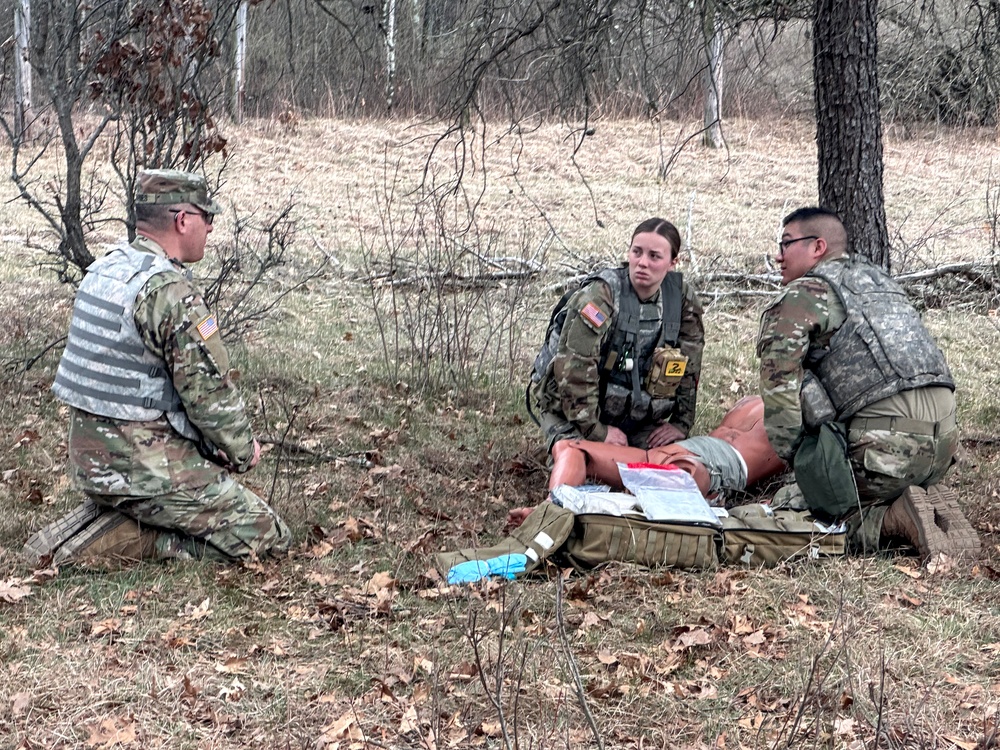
<point x="594" y="314"/>
<point x="208" y="327"/>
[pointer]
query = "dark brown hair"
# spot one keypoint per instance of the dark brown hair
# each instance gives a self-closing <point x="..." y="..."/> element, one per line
<point x="663" y="228"/>
<point x="155" y="216"/>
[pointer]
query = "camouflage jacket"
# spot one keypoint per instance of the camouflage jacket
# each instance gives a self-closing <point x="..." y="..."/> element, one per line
<point x="116" y="457"/>
<point x="798" y="332"/>
<point x="802" y="319"/>
<point x="573" y="386"/>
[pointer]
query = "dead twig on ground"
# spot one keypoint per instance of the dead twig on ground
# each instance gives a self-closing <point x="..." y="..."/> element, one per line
<point x="361" y="458"/>
<point x="980" y="440"/>
<point x="571" y="663"/>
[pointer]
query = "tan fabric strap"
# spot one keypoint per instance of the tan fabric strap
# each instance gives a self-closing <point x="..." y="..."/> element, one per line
<point x="902" y="424"/>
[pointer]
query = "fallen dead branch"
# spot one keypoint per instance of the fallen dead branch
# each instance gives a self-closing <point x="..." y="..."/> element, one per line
<point x="449" y="280"/>
<point x="291" y="448"/>
<point x="974" y="270"/>
<point x="973" y="440"/>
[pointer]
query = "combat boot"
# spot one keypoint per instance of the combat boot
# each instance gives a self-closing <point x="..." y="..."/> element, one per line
<point x="963" y="540"/>
<point x="112" y="537"/>
<point x="932" y="522"/>
<point x="44" y="543"/>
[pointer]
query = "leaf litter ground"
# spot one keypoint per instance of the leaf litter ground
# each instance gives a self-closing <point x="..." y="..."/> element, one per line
<point x="353" y="642"/>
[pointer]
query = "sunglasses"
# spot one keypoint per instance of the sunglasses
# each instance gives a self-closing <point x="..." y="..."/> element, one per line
<point x="209" y="218"/>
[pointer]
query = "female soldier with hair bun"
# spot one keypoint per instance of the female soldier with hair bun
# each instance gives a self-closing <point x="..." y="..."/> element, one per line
<point x="622" y="354"/>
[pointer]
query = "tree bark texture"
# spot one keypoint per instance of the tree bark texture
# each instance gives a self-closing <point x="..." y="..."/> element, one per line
<point x="848" y="128"/>
<point x="239" y="89"/>
<point x="390" y="55"/>
<point x="712" y="78"/>
<point x="22" y="70"/>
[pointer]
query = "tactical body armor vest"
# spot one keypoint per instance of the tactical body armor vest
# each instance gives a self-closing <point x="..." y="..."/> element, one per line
<point x="106" y="369"/>
<point x="881" y="349"/>
<point x="638" y="328"/>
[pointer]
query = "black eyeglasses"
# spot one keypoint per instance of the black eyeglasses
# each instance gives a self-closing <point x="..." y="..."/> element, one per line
<point x="209" y="218"/>
<point x="783" y="244"/>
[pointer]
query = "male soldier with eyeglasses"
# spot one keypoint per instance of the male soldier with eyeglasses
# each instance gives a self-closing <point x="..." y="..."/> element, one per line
<point x="852" y="379"/>
<point x="157" y="425"/>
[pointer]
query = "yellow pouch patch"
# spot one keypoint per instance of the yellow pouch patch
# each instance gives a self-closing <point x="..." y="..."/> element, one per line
<point x="665" y="374"/>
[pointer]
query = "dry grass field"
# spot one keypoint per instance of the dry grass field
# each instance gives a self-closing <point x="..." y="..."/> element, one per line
<point x="351" y="641"/>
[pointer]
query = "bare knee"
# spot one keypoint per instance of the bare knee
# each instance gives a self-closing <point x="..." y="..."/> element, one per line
<point x="564" y="447"/>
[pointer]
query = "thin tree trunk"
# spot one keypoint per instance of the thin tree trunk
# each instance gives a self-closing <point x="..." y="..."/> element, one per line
<point x="419" y="32"/>
<point x="713" y="79"/>
<point x="22" y="70"/>
<point x="848" y="128"/>
<point x="241" y="53"/>
<point x="390" y="54"/>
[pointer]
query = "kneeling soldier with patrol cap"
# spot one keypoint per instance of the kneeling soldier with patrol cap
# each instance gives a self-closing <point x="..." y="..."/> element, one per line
<point x="157" y="425"/>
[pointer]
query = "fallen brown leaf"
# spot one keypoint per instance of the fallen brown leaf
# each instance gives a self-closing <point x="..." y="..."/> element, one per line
<point x="26" y="438"/>
<point x="341" y="729"/>
<point x="20" y="703"/>
<point x="409" y="722"/>
<point x="197" y="612"/>
<point x="232" y="665"/>
<point x="463" y="672"/>
<point x="13" y="590"/>
<point x="964" y="744"/>
<point x="111" y="626"/>
<point x="107" y="733"/>
<point x="379" y="582"/>
<point x="692" y="638"/>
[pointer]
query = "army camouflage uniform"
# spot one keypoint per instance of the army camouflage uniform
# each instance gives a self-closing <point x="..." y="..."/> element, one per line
<point x="906" y="439"/>
<point x="570" y="395"/>
<point x="161" y="479"/>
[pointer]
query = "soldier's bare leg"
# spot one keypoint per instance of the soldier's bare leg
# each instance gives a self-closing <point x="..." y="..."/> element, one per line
<point x="576" y="460"/>
<point x="742" y="427"/>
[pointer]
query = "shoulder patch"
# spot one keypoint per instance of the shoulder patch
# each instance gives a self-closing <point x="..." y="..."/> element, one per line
<point x="208" y="327"/>
<point x="594" y="315"/>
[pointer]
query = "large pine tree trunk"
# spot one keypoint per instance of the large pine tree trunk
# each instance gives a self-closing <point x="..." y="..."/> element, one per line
<point x="848" y="129"/>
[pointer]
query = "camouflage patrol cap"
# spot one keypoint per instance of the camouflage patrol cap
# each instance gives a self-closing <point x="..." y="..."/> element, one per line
<point x="171" y="186"/>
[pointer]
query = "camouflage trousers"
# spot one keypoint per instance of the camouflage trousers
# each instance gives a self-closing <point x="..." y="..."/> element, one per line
<point x="885" y="463"/>
<point x="220" y="521"/>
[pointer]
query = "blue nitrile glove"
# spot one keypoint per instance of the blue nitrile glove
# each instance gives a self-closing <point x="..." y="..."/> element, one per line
<point x="507" y="566"/>
<point x="468" y="572"/>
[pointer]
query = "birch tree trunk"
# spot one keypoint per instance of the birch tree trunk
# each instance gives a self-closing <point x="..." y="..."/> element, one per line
<point x="22" y="70"/>
<point x="713" y="78"/>
<point x="390" y="54"/>
<point x="239" y="91"/>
